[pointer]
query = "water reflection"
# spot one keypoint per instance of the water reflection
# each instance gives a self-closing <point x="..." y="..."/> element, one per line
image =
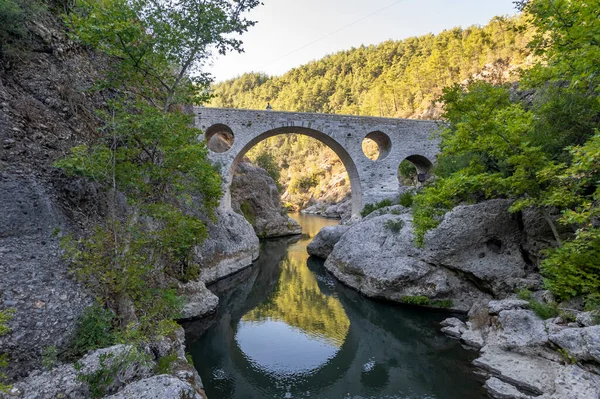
<point x="286" y="329"/>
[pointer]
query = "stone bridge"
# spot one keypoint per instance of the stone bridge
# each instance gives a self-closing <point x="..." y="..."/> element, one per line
<point x="370" y="180"/>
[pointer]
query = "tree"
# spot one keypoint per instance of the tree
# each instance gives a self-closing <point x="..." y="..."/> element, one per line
<point x="542" y="155"/>
<point x="148" y="149"/>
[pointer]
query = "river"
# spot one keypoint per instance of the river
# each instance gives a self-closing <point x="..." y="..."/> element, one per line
<point x="286" y="329"/>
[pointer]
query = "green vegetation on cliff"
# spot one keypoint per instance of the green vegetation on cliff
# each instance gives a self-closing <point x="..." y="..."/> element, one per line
<point x="394" y="78"/>
<point x="146" y="150"/>
<point x="5" y="316"/>
<point x="544" y="154"/>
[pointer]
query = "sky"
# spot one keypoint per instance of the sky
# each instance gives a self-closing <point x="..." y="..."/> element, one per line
<point x="290" y="33"/>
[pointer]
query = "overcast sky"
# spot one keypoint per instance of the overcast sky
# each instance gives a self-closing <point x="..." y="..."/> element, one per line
<point x="311" y="29"/>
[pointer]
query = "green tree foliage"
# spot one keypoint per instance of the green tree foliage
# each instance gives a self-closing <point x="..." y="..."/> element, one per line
<point x="266" y="160"/>
<point x="543" y="155"/>
<point x="394" y="78"/>
<point x="147" y="149"/>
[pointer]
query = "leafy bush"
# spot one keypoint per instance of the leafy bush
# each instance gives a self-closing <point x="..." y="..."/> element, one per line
<point x="544" y="155"/>
<point x="406" y="199"/>
<point x="543" y="310"/>
<point x="147" y="149"/>
<point x="370" y="208"/>
<point x="49" y="357"/>
<point x="95" y="329"/>
<point x="394" y="225"/>
<point x="415" y="300"/>
<point x="164" y="364"/>
<point x="420" y="300"/>
<point x="304" y="183"/>
<point x="110" y="368"/>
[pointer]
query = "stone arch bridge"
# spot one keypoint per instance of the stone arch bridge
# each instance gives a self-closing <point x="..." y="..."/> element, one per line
<point x="370" y="180"/>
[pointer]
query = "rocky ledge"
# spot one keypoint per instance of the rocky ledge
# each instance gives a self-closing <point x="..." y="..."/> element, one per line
<point x="159" y="370"/>
<point x="526" y="357"/>
<point x="474" y="254"/>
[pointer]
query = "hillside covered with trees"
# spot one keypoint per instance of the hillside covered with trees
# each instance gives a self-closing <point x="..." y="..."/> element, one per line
<point x="393" y="79"/>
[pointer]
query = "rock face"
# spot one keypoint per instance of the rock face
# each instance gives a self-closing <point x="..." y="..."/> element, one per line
<point x="517" y="356"/>
<point x="254" y="194"/>
<point x="378" y="258"/>
<point x="231" y="245"/>
<point x="35" y="281"/>
<point x="481" y="242"/>
<point x="322" y="245"/>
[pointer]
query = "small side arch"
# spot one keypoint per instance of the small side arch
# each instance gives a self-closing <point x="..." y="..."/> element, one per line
<point x="421" y="172"/>
<point x="219" y="138"/>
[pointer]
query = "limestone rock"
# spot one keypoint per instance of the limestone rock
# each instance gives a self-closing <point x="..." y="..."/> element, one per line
<point x="62" y="380"/>
<point x="482" y="242"/>
<point x="231" y="246"/>
<point x="199" y="300"/>
<point x="392" y="210"/>
<point x="255" y="195"/>
<point x="502" y="390"/>
<point x="323" y="243"/>
<point x="158" y="387"/>
<point x="583" y="343"/>
<point x="538" y="377"/>
<point x="380" y="262"/>
<point x="519" y="329"/>
<point x="495" y="307"/>
<point x="472" y="338"/>
<point x="587" y="319"/>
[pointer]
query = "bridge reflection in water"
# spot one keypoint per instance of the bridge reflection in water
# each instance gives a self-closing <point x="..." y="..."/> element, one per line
<point x="286" y="329"/>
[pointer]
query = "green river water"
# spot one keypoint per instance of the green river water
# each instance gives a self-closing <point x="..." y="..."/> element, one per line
<point x="285" y="328"/>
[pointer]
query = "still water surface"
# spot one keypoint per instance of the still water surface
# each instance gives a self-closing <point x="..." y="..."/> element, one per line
<point x="286" y="329"/>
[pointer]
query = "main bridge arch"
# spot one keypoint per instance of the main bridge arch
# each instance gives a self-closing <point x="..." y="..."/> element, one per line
<point x="370" y="180"/>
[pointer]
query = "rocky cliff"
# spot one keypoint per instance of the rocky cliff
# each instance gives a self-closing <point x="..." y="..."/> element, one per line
<point x="255" y="195"/>
<point x="47" y="107"/>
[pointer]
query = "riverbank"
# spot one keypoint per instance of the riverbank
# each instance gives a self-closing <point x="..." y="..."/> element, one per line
<point x="478" y="261"/>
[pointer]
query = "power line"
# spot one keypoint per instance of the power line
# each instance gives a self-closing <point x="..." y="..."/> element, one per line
<point x="331" y="33"/>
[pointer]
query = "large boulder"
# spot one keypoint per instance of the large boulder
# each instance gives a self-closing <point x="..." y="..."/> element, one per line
<point x="378" y="258"/>
<point x="322" y="245"/>
<point x="482" y="242"/>
<point x="254" y="194"/>
<point x="582" y="343"/>
<point x="535" y="376"/>
<point x="231" y="246"/>
<point x="199" y="300"/>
